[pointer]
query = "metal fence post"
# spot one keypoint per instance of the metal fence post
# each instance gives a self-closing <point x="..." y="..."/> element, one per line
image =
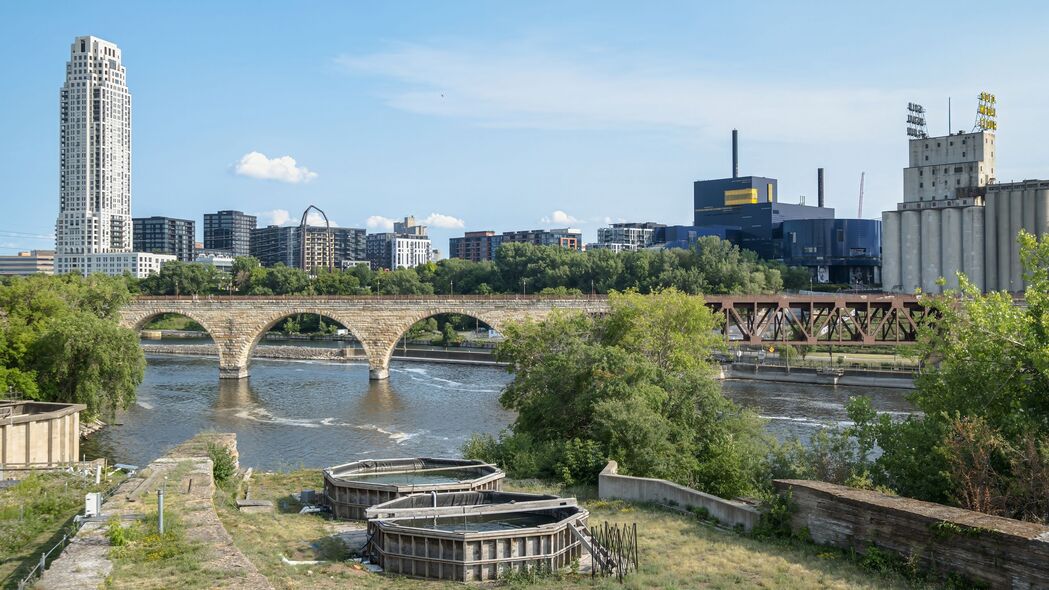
<point x="160" y="510"/>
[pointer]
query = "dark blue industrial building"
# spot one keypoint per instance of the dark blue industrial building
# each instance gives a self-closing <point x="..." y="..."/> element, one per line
<point x="746" y="211"/>
<point x="751" y="204"/>
<point x="844" y="251"/>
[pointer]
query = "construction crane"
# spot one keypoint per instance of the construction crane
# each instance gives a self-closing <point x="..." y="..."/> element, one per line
<point x="859" y="210"/>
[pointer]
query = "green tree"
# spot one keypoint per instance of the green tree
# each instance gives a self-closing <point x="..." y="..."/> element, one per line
<point x="83" y="359"/>
<point x="336" y="283"/>
<point x="285" y="280"/>
<point x="182" y="278"/>
<point x="248" y="275"/>
<point x="403" y="281"/>
<point x="637" y="386"/>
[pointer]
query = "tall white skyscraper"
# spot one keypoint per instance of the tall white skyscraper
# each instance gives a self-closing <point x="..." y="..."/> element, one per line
<point x="95" y="171"/>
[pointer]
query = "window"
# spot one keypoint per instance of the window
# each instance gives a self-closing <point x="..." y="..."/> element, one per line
<point x="921" y="185"/>
<point x="841" y="235"/>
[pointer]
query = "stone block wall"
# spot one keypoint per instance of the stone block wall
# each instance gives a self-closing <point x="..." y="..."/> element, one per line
<point x="998" y="552"/>
<point x="660" y="491"/>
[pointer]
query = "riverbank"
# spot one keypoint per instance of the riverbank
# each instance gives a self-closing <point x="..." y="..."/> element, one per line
<point x="343" y="355"/>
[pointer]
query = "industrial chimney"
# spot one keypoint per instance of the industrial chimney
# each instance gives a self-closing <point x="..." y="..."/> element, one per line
<point x="735" y="153"/>
<point x="819" y="186"/>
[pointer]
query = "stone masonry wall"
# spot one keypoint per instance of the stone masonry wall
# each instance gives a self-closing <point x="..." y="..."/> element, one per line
<point x="998" y="552"/>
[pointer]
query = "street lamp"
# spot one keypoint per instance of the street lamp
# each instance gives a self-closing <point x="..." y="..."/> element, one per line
<point x="524" y="286"/>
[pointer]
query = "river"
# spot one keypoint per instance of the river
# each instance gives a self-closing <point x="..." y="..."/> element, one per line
<point x="314" y="414"/>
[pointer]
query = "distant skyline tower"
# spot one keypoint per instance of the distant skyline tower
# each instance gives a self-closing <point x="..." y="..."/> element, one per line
<point x="95" y="156"/>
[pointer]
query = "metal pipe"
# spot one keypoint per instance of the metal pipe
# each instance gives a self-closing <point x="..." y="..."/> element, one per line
<point x="735" y="153"/>
<point x="819" y="187"/>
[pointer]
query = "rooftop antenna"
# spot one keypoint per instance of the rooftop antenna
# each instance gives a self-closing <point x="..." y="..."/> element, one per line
<point x="949" y="116"/>
<point x="916" y="121"/>
<point x="859" y="209"/>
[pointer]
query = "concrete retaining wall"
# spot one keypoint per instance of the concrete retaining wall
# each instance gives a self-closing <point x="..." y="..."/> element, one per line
<point x="854" y="377"/>
<point x="611" y="485"/>
<point x="998" y="552"/>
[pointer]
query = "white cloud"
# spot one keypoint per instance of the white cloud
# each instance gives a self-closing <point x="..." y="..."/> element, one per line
<point x="443" y="221"/>
<point x="537" y="88"/>
<point x="283" y="217"/>
<point x="274" y="217"/>
<point x="379" y="222"/>
<point x="559" y="218"/>
<point x="283" y="169"/>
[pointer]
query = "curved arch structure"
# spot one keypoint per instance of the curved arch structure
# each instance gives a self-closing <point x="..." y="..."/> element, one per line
<point x="329" y="247"/>
<point x="236" y="324"/>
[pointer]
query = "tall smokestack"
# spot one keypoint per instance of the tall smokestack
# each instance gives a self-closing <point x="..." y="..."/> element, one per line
<point x="819" y="186"/>
<point x="735" y="154"/>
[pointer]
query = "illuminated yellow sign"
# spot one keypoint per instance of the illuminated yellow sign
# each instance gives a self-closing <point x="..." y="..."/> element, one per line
<point x="741" y="196"/>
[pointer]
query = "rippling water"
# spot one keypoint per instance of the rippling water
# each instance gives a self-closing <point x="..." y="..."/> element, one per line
<point x="315" y="414"/>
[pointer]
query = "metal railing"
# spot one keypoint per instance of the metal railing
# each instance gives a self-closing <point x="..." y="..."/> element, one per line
<point x="56" y="549"/>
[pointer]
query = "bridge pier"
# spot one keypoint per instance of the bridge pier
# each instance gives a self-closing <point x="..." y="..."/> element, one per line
<point x="233" y="372"/>
<point x="378" y="374"/>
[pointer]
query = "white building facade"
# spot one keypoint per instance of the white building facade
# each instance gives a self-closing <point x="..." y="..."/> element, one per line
<point x="409" y="252"/>
<point x="138" y="264"/>
<point x="95" y="157"/>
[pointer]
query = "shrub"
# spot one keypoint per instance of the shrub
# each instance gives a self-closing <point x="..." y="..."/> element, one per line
<point x="223" y="466"/>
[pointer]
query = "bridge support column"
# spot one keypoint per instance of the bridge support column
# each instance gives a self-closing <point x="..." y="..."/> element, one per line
<point x="378" y="374"/>
<point x="233" y="372"/>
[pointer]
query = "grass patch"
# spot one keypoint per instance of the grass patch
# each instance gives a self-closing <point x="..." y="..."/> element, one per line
<point x="677" y="550"/>
<point x="33" y="515"/>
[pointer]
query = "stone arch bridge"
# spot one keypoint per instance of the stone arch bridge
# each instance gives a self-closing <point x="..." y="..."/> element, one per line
<point x="238" y="323"/>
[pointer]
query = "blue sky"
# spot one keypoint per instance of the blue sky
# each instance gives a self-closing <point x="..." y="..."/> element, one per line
<point x="485" y="115"/>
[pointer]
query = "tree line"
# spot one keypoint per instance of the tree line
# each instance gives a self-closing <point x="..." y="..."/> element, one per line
<point x="711" y="266"/>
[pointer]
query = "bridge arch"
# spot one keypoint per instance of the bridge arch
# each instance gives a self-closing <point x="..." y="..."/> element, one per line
<point x="266" y="322"/>
<point x="379" y="364"/>
<point x="136" y="322"/>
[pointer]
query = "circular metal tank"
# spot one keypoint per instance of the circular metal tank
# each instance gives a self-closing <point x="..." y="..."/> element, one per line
<point x="1041" y="224"/>
<point x="930" y="251"/>
<point x="352" y="488"/>
<point x="990" y="242"/>
<point x="890" y="251"/>
<point x="973" y="245"/>
<point x="1016" y="210"/>
<point x="1002" y="213"/>
<point x="476" y="542"/>
<point x="910" y="251"/>
<point x="951" y="246"/>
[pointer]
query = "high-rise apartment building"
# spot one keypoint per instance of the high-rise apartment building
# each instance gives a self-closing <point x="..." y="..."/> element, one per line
<point x="165" y="235"/>
<point x="475" y="246"/>
<point x="564" y="237"/>
<point x="95" y="157"/>
<point x="228" y="231"/>
<point x="627" y="237"/>
<point x="350" y="246"/>
<point x="390" y="250"/>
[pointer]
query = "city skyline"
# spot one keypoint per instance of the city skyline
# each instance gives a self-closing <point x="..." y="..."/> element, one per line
<point x="473" y="120"/>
